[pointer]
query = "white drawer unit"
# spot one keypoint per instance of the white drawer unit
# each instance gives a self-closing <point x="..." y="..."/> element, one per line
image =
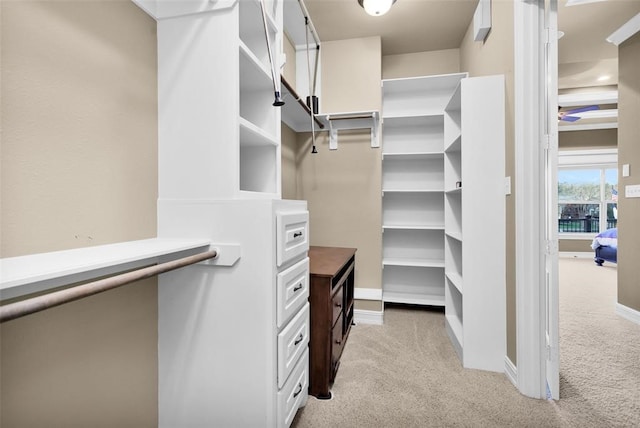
<point x="292" y="235"/>
<point x="245" y="363"/>
<point x="293" y="340"/>
<point x="293" y="290"/>
<point x="295" y="392"/>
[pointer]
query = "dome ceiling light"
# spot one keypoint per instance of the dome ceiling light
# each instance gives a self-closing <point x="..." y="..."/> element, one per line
<point x="376" y="7"/>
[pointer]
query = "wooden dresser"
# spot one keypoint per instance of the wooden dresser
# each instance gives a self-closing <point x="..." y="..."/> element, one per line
<point x="332" y="274"/>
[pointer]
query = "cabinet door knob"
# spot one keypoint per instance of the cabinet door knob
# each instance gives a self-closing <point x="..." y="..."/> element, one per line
<point x="338" y="305"/>
<point x="295" y="394"/>
<point x="296" y="234"/>
<point x="300" y="339"/>
<point x="339" y="342"/>
<point x="297" y="287"/>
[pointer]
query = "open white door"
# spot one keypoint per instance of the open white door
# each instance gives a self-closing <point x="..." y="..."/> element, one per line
<point x="551" y="318"/>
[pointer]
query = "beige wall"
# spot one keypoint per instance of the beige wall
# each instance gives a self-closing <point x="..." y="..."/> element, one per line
<point x="289" y="70"/>
<point x="629" y="152"/>
<point x="343" y="187"/>
<point x="79" y="168"/>
<point x="575" y="245"/>
<point x="594" y="139"/>
<point x="495" y="56"/>
<point x="289" y="147"/>
<point x="421" y="64"/>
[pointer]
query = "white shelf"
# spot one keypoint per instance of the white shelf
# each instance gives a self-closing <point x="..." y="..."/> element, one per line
<point x="418" y="95"/>
<point x="405" y="120"/>
<point x="423" y="190"/>
<point x="454" y="146"/>
<point x="454" y="234"/>
<point x="251" y="30"/>
<point x="249" y="61"/>
<point x="413" y="298"/>
<point x="413" y="155"/>
<point x="295" y="112"/>
<point x="38" y="272"/>
<point x="436" y="263"/>
<point x="455" y="327"/>
<point x="455" y="102"/>
<point x="456" y="279"/>
<point x="251" y="135"/>
<point x="413" y="173"/>
<point x="413" y="134"/>
<point x="454" y="191"/>
<point x="412" y="227"/>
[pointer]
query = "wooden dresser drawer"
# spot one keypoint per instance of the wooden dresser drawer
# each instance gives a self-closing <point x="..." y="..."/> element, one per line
<point x="292" y="342"/>
<point x="294" y="393"/>
<point x="292" y="236"/>
<point x="336" y="304"/>
<point x="336" y="345"/>
<point x="293" y="290"/>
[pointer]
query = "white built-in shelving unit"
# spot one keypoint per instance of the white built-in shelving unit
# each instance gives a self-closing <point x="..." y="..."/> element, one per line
<point x="219" y="135"/>
<point x="413" y="186"/>
<point x="232" y="341"/>
<point x="474" y="212"/>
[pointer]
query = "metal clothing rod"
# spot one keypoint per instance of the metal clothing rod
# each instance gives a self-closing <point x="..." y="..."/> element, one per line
<point x="46" y="301"/>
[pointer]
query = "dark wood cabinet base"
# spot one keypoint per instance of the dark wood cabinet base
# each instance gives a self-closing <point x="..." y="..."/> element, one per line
<point x="332" y="274"/>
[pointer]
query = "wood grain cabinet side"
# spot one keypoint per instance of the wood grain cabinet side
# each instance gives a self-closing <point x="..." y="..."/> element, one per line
<point x="332" y="277"/>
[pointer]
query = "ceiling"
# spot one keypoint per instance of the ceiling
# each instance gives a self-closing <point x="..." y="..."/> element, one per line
<point x="584" y="55"/>
<point x="426" y="25"/>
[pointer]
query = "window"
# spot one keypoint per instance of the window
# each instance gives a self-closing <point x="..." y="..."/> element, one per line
<point x="587" y="192"/>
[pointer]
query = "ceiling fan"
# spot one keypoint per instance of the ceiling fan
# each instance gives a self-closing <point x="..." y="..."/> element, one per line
<point x="567" y="115"/>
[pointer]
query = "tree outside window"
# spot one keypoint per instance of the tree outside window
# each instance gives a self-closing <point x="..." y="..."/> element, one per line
<point x="583" y="194"/>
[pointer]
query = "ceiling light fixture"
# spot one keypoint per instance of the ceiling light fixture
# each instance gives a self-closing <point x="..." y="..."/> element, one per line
<point x="376" y="7"/>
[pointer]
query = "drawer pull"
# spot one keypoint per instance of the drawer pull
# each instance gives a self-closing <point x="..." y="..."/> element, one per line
<point x="300" y="339"/>
<point x="297" y="234"/>
<point x="297" y="287"/>
<point x="339" y="342"/>
<point x="338" y="305"/>
<point x="295" y="394"/>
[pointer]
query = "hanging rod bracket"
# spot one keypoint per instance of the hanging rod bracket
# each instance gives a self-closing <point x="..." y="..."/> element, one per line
<point x="228" y="255"/>
<point x="352" y="120"/>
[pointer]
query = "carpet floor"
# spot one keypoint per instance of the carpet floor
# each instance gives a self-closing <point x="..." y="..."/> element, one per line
<point x="406" y="373"/>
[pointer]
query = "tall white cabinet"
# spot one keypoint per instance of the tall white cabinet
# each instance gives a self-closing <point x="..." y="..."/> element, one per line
<point x="413" y="184"/>
<point x="443" y="206"/>
<point x="474" y="165"/>
<point x="232" y="341"/>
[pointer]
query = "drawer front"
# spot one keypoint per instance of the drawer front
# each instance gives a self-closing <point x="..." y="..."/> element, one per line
<point x="336" y="346"/>
<point x="336" y="304"/>
<point x="292" y="290"/>
<point x="294" y="393"/>
<point x="292" y="342"/>
<point x="292" y="238"/>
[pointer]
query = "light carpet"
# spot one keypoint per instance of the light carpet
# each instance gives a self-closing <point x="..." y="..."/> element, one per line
<point x="407" y="374"/>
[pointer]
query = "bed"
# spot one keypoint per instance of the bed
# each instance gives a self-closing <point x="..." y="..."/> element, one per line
<point x="605" y="244"/>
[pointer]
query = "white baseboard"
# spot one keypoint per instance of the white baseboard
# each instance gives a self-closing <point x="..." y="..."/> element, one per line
<point x="628" y="313"/>
<point x="575" y="255"/>
<point x="360" y="293"/>
<point x="368" y="317"/>
<point x="511" y="371"/>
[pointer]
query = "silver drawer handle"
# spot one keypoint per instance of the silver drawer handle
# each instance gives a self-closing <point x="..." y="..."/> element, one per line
<point x="297" y="287"/>
<point x="300" y="339"/>
<point x="297" y="234"/>
<point x="295" y="394"/>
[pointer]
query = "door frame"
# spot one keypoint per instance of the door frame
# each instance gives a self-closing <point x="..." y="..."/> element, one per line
<point x="531" y="245"/>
